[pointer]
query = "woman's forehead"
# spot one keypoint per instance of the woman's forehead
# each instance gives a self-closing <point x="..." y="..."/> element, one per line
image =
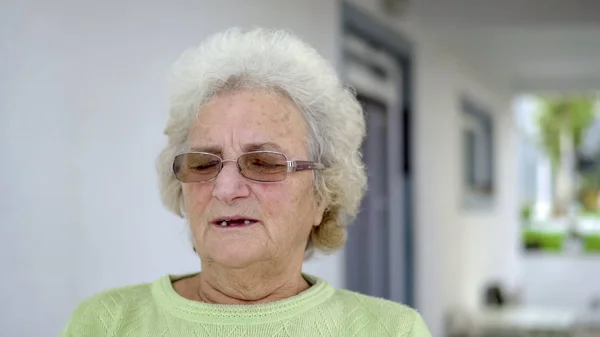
<point x="255" y="120"/>
<point x="251" y="105"/>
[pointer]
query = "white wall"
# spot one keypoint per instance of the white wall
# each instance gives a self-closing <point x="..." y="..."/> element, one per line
<point x="491" y="238"/>
<point x="457" y="250"/>
<point x="83" y="103"/>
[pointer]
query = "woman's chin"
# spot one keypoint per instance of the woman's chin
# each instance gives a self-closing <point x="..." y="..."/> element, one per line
<point x="234" y="257"/>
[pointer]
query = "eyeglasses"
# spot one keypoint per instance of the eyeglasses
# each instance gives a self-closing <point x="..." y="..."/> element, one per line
<point x="260" y="166"/>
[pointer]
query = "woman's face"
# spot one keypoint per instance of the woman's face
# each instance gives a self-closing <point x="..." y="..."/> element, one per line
<point x="228" y="126"/>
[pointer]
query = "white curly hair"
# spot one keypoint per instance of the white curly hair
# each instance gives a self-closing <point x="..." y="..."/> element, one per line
<point x="275" y="61"/>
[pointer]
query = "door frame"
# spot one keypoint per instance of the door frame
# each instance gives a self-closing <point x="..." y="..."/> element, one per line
<point x="372" y="31"/>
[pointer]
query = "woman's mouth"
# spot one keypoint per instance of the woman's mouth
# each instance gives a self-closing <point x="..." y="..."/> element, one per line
<point x="234" y="222"/>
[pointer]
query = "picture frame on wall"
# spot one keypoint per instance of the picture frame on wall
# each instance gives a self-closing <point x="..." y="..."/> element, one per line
<point x="478" y="156"/>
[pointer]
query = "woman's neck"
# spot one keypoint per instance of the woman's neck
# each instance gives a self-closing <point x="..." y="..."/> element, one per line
<point x="247" y="286"/>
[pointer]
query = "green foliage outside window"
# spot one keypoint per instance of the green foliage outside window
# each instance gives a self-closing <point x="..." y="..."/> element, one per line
<point x="570" y="115"/>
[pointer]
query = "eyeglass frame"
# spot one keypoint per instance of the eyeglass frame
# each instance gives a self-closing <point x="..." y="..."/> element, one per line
<point x="292" y="165"/>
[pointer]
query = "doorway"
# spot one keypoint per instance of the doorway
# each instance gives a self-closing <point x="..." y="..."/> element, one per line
<point x="379" y="252"/>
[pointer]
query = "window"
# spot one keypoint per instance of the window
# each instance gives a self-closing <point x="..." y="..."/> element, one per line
<point x="478" y="155"/>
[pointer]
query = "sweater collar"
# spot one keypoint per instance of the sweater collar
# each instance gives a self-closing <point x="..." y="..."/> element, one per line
<point x="166" y="297"/>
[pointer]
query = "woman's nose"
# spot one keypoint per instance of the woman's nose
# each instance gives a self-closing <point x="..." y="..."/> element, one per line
<point x="230" y="184"/>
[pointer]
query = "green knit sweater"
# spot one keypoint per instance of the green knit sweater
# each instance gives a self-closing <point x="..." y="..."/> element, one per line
<point x="155" y="309"/>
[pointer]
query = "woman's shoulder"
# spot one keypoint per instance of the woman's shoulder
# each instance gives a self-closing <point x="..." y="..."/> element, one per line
<point x="104" y="310"/>
<point x="381" y="313"/>
<point x="118" y="298"/>
<point x="375" y="304"/>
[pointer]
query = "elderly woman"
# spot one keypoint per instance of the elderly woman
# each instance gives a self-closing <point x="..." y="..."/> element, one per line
<point x="263" y="162"/>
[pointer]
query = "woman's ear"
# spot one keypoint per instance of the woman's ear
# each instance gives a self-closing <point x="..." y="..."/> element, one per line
<point x="319" y="213"/>
<point x="182" y="209"/>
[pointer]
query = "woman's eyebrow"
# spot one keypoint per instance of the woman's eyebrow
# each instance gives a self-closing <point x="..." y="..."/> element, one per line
<point x="214" y="149"/>
<point x="262" y="146"/>
<point x="209" y="149"/>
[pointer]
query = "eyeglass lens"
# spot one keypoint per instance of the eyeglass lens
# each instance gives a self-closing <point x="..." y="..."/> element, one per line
<point x="259" y="166"/>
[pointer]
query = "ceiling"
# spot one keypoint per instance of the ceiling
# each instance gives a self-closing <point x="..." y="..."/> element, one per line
<point x="532" y="45"/>
<point x="508" y="12"/>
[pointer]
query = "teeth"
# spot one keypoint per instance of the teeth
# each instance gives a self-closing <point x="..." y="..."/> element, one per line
<point x="224" y="223"/>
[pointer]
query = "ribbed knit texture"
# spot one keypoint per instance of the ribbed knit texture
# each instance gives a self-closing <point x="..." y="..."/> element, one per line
<point x="155" y="309"/>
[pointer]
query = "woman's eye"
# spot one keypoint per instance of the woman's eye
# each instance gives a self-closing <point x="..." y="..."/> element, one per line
<point x="202" y="167"/>
<point x="263" y="164"/>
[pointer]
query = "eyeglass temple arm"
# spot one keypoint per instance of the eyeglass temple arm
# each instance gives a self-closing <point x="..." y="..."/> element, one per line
<point x="300" y="165"/>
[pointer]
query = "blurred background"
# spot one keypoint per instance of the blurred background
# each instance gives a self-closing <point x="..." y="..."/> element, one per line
<point x="483" y="153"/>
